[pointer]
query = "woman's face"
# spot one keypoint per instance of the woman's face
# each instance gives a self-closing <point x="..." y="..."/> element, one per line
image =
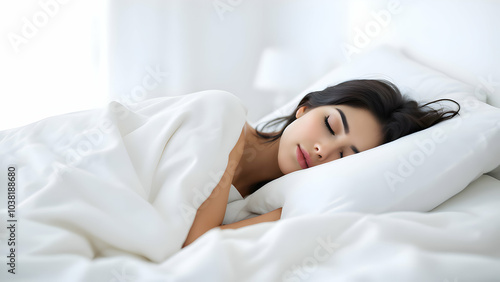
<point x="325" y="134"/>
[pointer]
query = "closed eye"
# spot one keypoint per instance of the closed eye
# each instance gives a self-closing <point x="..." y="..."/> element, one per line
<point x="332" y="132"/>
<point x="328" y="125"/>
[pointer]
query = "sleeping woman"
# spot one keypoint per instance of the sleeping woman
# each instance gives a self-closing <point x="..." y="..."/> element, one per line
<point x="339" y="121"/>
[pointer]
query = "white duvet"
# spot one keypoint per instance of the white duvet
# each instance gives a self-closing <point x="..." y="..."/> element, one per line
<point x="110" y="194"/>
<point x="115" y="182"/>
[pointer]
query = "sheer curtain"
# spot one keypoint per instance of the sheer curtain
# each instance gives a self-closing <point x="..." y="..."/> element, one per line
<point x="189" y="45"/>
<point x="221" y="44"/>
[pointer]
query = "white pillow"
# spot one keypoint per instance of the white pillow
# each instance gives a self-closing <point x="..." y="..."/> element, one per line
<point x="414" y="173"/>
<point x="413" y="79"/>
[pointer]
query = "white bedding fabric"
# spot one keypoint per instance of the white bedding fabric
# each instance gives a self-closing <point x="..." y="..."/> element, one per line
<point x="414" y="173"/>
<point x="118" y="214"/>
<point x="399" y="176"/>
<point x="456" y="242"/>
<point x="115" y="181"/>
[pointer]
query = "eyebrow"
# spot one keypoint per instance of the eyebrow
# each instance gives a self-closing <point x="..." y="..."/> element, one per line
<point x="344" y="121"/>
<point x="346" y="127"/>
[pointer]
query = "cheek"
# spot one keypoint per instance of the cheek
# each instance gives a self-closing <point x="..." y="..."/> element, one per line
<point x="285" y="150"/>
<point x="308" y="128"/>
<point x="288" y="134"/>
<point x="282" y="159"/>
<point x="301" y="131"/>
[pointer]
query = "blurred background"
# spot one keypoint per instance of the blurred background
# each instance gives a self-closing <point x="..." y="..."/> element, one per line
<point x="60" y="56"/>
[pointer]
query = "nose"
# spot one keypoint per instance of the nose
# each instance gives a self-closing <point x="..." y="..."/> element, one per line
<point x="326" y="152"/>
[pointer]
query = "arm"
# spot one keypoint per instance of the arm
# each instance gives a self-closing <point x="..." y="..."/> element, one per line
<point x="211" y="213"/>
<point x="270" y="216"/>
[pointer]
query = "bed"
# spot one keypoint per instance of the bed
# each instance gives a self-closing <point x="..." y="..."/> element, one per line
<point x="105" y="195"/>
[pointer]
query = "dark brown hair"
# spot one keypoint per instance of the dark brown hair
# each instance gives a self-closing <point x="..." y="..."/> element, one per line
<point x="398" y="115"/>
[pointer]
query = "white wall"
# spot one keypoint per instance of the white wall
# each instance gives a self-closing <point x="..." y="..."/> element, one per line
<point x="458" y="37"/>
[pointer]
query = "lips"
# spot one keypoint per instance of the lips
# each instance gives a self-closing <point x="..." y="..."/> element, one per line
<point x="303" y="158"/>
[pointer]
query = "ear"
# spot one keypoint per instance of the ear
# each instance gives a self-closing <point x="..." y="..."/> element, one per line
<point x="301" y="111"/>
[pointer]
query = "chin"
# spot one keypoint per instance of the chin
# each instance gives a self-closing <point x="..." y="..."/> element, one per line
<point x="283" y="169"/>
<point x="287" y="169"/>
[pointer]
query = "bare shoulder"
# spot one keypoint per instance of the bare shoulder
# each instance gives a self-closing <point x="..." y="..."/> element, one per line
<point x="237" y="152"/>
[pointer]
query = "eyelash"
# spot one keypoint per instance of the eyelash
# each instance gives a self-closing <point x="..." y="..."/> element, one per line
<point x="328" y="125"/>
<point x="332" y="132"/>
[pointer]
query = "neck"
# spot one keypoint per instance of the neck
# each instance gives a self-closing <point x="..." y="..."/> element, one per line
<point x="258" y="163"/>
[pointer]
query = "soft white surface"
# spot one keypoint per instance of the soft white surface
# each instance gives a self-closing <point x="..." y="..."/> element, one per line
<point x="78" y="227"/>
<point x="417" y="172"/>
<point x="201" y="50"/>
<point x="458" y="241"/>
<point x="115" y="181"/>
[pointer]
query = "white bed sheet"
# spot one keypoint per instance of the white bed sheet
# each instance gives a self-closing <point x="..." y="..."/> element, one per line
<point x="456" y="242"/>
<point x="114" y="218"/>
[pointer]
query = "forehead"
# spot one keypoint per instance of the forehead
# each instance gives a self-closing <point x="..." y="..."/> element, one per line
<point x="364" y="128"/>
